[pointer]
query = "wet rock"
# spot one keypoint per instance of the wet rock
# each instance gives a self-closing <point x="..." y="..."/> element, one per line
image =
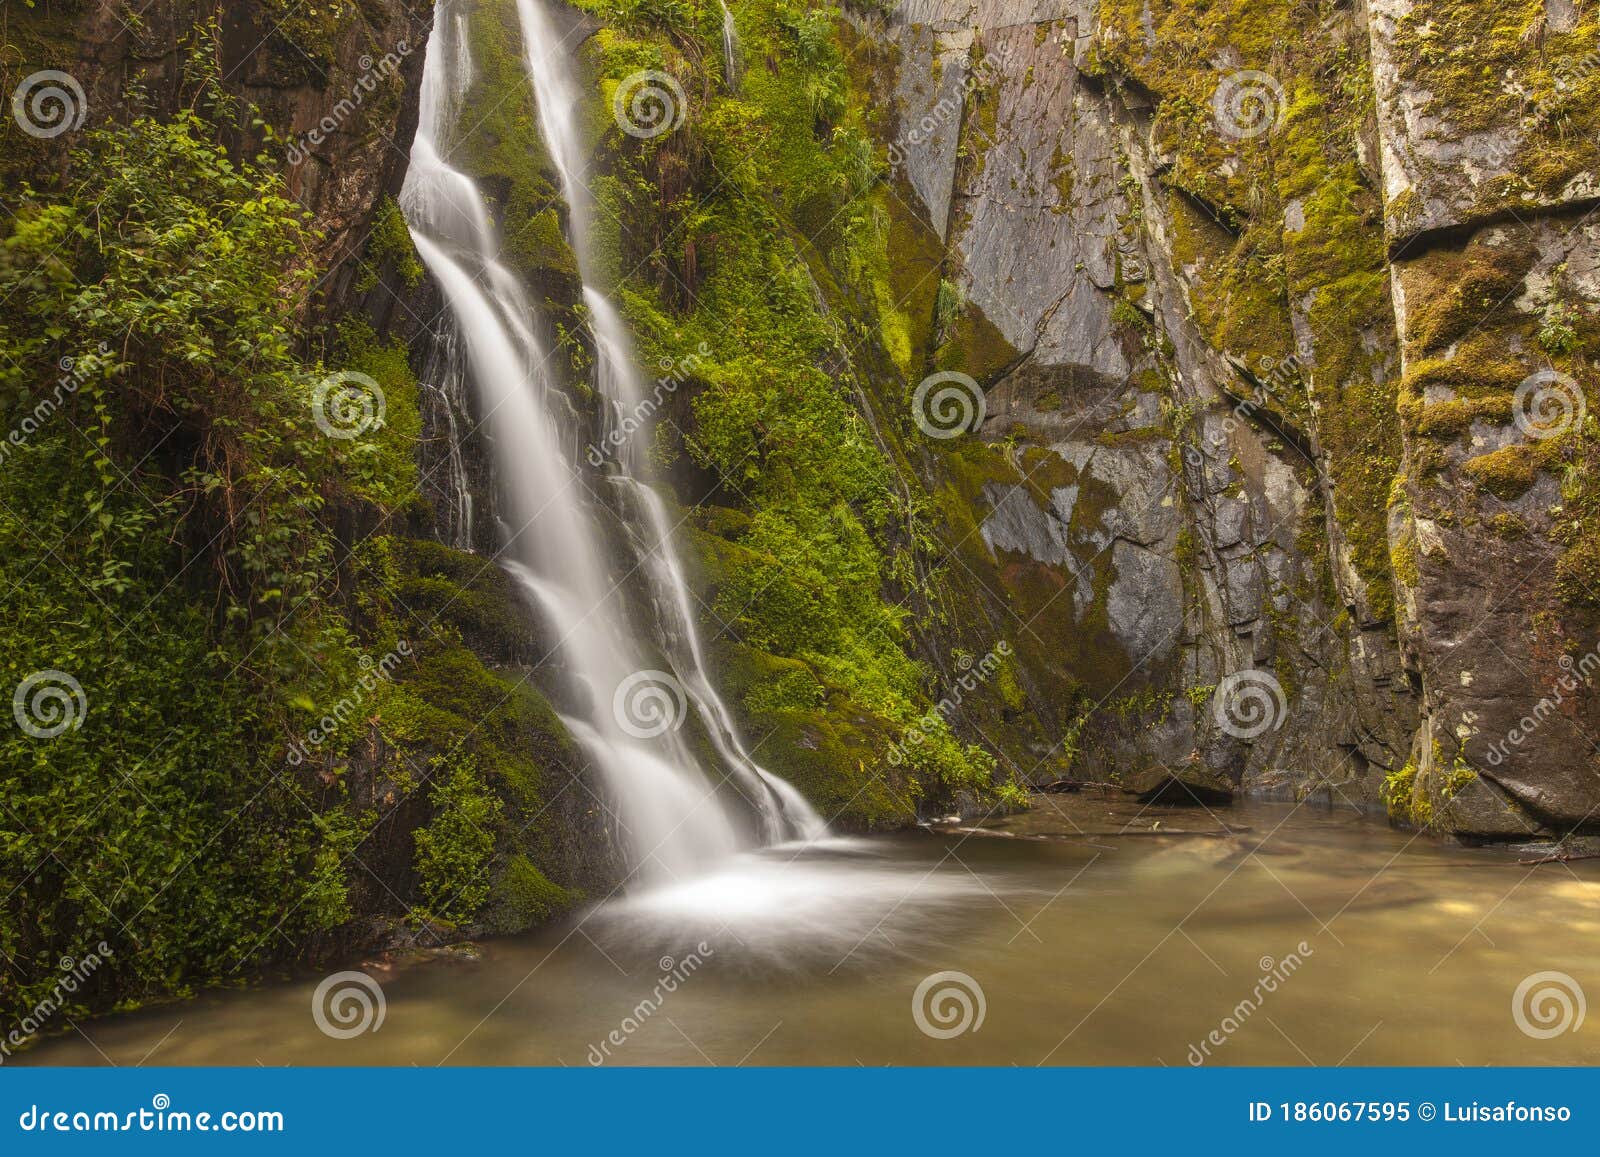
<point x="1186" y="783"/>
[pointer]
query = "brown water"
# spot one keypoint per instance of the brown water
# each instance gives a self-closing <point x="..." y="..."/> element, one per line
<point x="1126" y="944"/>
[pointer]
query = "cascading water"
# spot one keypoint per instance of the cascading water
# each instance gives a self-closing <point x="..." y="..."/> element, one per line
<point x="730" y="49"/>
<point x="784" y="813"/>
<point x="673" y="821"/>
<point x="445" y="384"/>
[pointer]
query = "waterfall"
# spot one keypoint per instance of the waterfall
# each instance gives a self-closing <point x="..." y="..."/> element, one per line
<point x="784" y="813"/>
<point x="671" y="818"/>
<point x="444" y="385"/>
<point x="730" y="49"/>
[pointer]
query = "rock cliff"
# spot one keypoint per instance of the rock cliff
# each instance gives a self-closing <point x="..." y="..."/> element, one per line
<point x="1267" y="324"/>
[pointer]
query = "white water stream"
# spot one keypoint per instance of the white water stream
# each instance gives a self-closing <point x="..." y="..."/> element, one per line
<point x="673" y="821"/>
<point x="730" y="49"/>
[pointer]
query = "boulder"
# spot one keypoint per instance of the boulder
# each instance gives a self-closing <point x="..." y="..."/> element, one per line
<point x="1192" y="782"/>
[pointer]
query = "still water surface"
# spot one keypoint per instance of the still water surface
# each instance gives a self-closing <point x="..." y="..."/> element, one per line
<point x="1096" y="933"/>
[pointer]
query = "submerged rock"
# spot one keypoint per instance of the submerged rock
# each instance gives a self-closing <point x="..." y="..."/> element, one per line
<point x="1187" y="783"/>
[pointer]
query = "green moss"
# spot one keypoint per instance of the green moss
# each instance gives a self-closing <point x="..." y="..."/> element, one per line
<point x="1470" y="374"/>
<point x="537" y="243"/>
<point x="381" y="466"/>
<point x="1450" y="294"/>
<point x="1399" y="794"/>
<point x="499" y="142"/>
<point x="1578" y="571"/>
<point x="453" y="850"/>
<point x="1449" y="420"/>
<point x="976" y="346"/>
<point x="1403" y="559"/>
<point x="1506" y="473"/>
<point x="389" y="246"/>
<point x="797" y="689"/>
<point x="1229" y="205"/>
<point x="1508" y="526"/>
<point x="522" y="896"/>
<point x="1503" y="67"/>
<point x="1459" y="778"/>
<point x="473" y="596"/>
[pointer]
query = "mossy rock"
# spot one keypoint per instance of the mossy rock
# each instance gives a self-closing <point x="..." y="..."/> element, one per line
<point x="468" y="591"/>
<point x="521" y="896"/>
<point x="1507" y="473"/>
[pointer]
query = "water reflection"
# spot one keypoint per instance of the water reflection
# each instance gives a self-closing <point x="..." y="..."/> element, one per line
<point x="1091" y="937"/>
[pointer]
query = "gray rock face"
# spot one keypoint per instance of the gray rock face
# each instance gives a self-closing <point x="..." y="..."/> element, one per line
<point x="931" y="96"/>
<point x="1177" y="526"/>
<point x="1457" y="150"/>
<point x="1017" y="525"/>
<point x="1037" y="221"/>
<point x="1504" y="656"/>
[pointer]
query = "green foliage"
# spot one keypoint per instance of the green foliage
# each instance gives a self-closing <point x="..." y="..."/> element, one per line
<point x="390" y="243"/>
<point x="759" y="230"/>
<point x="1399" y="791"/>
<point x="524" y="896"/>
<point x="164" y="488"/>
<point x="453" y="851"/>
